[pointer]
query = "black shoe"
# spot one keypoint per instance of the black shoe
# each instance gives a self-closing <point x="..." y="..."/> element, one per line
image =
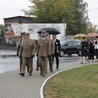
<point x="22" y="74"/>
<point x="37" y="69"/>
<point x="30" y="74"/>
<point x="81" y="63"/>
<point x="43" y="75"/>
<point x="51" y="70"/>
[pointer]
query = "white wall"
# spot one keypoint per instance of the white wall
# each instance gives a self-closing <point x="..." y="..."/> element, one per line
<point x="32" y="28"/>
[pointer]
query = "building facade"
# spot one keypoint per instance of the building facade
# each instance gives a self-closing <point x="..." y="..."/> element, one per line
<point x="9" y="33"/>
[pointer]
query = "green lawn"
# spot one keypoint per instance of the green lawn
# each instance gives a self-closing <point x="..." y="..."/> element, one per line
<point x="75" y="83"/>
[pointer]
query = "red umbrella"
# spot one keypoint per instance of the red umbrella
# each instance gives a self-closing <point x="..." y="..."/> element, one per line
<point x="92" y="34"/>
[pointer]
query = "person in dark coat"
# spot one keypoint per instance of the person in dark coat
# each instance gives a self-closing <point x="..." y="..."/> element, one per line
<point x="57" y="50"/>
<point x="91" y="50"/>
<point x="84" y="50"/>
<point x="96" y="49"/>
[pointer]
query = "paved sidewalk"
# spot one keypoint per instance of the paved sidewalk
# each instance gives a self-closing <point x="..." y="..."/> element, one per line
<point x="12" y="85"/>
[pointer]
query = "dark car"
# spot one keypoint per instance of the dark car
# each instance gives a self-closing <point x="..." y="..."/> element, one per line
<point x="70" y="47"/>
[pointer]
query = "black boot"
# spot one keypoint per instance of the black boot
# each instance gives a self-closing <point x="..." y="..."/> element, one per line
<point x="22" y="74"/>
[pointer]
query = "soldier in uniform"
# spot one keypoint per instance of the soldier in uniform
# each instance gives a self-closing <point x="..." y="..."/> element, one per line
<point x="51" y="52"/>
<point x="19" y="51"/>
<point x="42" y="50"/>
<point x="28" y="53"/>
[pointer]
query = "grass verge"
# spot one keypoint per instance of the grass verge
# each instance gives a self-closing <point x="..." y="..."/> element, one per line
<point x="79" y="82"/>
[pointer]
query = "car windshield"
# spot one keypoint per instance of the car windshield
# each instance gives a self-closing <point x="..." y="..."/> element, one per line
<point x="63" y="42"/>
<point x="75" y="42"/>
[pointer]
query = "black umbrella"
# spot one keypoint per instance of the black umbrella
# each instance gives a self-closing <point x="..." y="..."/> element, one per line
<point x="51" y="31"/>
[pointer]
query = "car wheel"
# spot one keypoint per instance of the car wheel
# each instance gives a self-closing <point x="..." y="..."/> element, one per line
<point x="79" y="53"/>
<point x="62" y="53"/>
<point x="69" y="54"/>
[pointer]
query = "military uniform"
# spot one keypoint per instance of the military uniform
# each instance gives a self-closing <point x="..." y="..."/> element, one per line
<point x="43" y="52"/>
<point x="27" y="53"/>
<point x="51" y="53"/>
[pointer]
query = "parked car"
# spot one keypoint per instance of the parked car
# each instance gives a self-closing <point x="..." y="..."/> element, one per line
<point x="70" y="47"/>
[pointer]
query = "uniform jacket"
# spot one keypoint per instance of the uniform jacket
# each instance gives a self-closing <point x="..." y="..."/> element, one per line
<point x="57" y="46"/>
<point x="43" y="47"/>
<point x="28" y="48"/>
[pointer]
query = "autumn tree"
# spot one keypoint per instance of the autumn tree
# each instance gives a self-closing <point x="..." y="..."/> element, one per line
<point x="91" y="28"/>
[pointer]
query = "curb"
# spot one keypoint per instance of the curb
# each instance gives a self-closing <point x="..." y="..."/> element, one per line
<point x="4" y="56"/>
<point x="41" y="89"/>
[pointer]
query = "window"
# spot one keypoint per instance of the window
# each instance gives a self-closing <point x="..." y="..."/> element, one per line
<point x="69" y="43"/>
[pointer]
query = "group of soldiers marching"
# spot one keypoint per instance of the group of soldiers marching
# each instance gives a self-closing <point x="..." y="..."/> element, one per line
<point x="43" y="48"/>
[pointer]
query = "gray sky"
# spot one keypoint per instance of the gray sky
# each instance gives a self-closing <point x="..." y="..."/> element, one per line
<point x="10" y="8"/>
<point x="93" y="10"/>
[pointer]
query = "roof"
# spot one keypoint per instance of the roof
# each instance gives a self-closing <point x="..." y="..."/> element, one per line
<point x="17" y="17"/>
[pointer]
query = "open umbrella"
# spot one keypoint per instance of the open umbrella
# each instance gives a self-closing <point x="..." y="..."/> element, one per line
<point x="51" y="31"/>
<point x="92" y="34"/>
<point x="97" y="35"/>
<point x="80" y="36"/>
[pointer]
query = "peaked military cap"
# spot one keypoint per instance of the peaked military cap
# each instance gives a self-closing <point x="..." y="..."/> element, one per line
<point x="43" y="32"/>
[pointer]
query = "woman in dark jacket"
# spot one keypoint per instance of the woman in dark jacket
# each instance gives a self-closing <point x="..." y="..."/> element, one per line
<point x="96" y="49"/>
<point x="91" y="50"/>
<point x="84" y="51"/>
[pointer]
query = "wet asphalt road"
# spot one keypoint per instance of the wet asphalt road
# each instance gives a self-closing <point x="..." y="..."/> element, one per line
<point x="8" y="63"/>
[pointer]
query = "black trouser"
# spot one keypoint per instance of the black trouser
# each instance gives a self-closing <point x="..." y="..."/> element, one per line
<point x="96" y="53"/>
<point x="91" y="56"/>
<point x="57" y="60"/>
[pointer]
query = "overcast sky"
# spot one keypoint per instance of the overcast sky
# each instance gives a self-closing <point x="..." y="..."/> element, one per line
<point x="10" y="8"/>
